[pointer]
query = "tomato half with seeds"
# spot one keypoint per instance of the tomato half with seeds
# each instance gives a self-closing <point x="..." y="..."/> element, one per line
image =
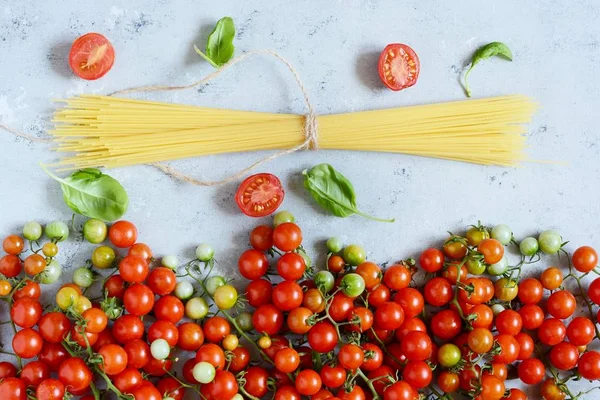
<point x="260" y="195"/>
<point x="91" y="56"/>
<point x="399" y="66"/>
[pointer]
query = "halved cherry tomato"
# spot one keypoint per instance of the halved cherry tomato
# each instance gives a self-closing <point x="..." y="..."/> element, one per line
<point x="91" y="56"/>
<point x="398" y="66"/>
<point x="260" y="195"/>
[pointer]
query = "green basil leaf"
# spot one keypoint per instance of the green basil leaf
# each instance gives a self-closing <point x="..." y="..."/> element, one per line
<point x="493" y="49"/>
<point x="219" y="45"/>
<point x="91" y="193"/>
<point x="332" y="191"/>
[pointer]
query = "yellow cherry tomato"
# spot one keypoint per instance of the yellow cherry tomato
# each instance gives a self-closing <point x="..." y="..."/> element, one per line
<point x="82" y="304"/>
<point x="264" y="342"/>
<point x="506" y="289"/>
<point x="230" y="342"/>
<point x="103" y="257"/>
<point x="5" y="288"/>
<point x="50" y="249"/>
<point x="66" y="297"/>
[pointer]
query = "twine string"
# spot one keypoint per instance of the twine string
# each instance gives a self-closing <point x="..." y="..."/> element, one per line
<point x="310" y="125"/>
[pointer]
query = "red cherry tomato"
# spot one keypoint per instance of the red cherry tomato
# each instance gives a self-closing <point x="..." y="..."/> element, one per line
<point x="261" y="238"/>
<point x="10" y="266"/>
<point x="191" y="336"/>
<point x="27" y="343"/>
<point x="138" y="299"/>
<point x="259" y="292"/>
<point x="50" y="389"/>
<point x="267" y="319"/>
<point x="431" y="260"/>
<point x="323" y="337"/>
<point x="585" y="259"/>
<point x="287" y="295"/>
<point x="75" y="374"/>
<point x="398" y="66"/>
<point x="13" y="388"/>
<point x="128" y="379"/>
<point x="34" y="373"/>
<point x="134" y="269"/>
<point x="224" y="386"/>
<point x="91" y="56"/>
<point x="169" y="308"/>
<point x="253" y="264"/>
<point x="287" y="236"/>
<point x="211" y="353"/>
<point x="114" y="359"/>
<point x="259" y="195"/>
<point x="291" y="266"/>
<point x="162" y="281"/>
<point x="389" y="316"/>
<point x="123" y="234"/>
<point x="162" y="329"/>
<point x="127" y="328"/>
<point x="138" y="353"/>
<point x="52" y="354"/>
<point x="492" y="250"/>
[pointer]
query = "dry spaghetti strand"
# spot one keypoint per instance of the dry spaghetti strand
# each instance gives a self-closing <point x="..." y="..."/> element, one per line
<point x="102" y="131"/>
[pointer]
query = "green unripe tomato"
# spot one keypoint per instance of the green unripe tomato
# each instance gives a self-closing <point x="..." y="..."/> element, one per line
<point x="334" y="244"/>
<point x="160" y="349"/>
<point x="324" y="281"/>
<point x="354" y="254"/>
<point x="196" y="308"/>
<point x="497" y="309"/>
<point x="103" y="257"/>
<point x="499" y="268"/>
<point x="550" y="241"/>
<point x="32" y="231"/>
<point x="94" y="231"/>
<point x="307" y="259"/>
<point x="225" y="297"/>
<point x="502" y="233"/>
<point x="352" y="285"/>
<point x="52" y="273"/>
<point x="205" y="252"/>
<point x="475" y="266"/>
<point x="529" y="246"/>
<point x="244" y="321"/>
<point x="184" y="290"/>
<point x="204" y="372"/>
<point x="170" y="262"/>
<point x="282" y="217"/>
<point x="57" y="230"/>
<point x="213" y="283"/>
<point x="83" y="277"/>
<point x="449" y="355"/>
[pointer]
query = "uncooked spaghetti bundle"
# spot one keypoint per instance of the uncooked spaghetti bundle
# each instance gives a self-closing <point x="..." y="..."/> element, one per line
<point x="102" y="131"/>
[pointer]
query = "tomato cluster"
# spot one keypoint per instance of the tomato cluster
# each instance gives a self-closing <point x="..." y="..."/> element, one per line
<point x="359" y="331"/>
<point x="354" y="330"/>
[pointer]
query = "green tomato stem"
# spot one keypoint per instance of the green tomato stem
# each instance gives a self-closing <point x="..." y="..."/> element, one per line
<point x="467" y="89"/>
<point x="95" y="391"/>
<point x="19" y="362"/>
<point x="245" y="393"/>
<point x="374" y="218"/>
<point x="205" y="57"/>
<point x="369" y="384"/>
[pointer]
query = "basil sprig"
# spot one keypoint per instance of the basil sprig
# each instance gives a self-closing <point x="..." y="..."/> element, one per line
<point x="91" y="193"/>
<point x="489" y="50"/>
<point x="333" y="191"/>
<point x="219" y="45"/>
